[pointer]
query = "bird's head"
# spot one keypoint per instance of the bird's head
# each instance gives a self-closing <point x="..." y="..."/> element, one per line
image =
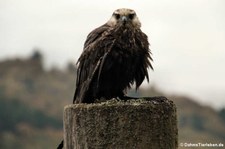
<point x="124" y="16"/>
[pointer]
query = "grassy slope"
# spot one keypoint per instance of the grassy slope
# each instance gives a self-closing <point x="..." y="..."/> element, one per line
<point x="32" y="102"/>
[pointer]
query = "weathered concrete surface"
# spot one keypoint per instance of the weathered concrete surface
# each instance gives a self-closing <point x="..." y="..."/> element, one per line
<point x="148" y="123"/>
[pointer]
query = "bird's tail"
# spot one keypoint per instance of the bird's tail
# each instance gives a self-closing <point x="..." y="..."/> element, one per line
<point x="60" y="146"/>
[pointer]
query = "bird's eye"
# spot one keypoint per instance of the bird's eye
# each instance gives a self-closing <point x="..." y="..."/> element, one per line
<point x="117" y="16"/>
<point x="131" y="16"/>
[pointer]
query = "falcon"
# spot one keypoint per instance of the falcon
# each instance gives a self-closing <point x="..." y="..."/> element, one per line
<point x="115" y="56"/>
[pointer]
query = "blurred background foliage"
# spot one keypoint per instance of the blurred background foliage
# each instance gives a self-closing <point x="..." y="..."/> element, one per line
<point x="32" y="101"/>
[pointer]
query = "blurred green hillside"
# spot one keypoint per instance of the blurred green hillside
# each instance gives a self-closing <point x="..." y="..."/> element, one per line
<point x="32" y="101"/>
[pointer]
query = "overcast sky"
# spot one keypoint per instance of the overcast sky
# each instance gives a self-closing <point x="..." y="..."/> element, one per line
<point x="187" y="38"/>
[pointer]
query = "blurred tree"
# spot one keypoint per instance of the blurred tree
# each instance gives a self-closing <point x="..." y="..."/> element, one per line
<point x="197" y="122"/>
<point x="72" y="68"/>
<point x="36" y="61"/>
<point x="37" y="55"/>
<point x="14" y="112"/>
<point x="222" y="114"/>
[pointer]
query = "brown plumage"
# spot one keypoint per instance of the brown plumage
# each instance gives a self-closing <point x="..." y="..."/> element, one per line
<point x="115" y="56"/>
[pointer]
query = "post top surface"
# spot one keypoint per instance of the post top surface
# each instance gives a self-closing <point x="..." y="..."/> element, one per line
<point x="142" y="101"/>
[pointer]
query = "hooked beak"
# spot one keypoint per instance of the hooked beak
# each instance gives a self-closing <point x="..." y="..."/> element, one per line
<point x="124" y="18"/>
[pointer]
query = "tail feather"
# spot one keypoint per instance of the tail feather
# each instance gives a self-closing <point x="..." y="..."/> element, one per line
<point x="60" y="146"/>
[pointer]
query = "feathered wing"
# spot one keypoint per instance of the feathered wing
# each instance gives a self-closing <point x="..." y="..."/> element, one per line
<point x="90" y="64"/>
<point x="145" y="62"/>
<point x="109" y="49"/>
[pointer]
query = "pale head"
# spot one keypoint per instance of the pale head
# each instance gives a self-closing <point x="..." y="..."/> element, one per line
<point x="124" y="16"/>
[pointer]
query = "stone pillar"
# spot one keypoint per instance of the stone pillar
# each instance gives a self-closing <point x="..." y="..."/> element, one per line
<point x="147" y="123"/>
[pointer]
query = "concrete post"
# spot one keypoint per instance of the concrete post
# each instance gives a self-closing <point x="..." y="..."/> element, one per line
<point x="147" y="123"/>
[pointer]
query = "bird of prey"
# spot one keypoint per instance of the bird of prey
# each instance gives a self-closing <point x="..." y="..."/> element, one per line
<point x="116" y="55"/>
